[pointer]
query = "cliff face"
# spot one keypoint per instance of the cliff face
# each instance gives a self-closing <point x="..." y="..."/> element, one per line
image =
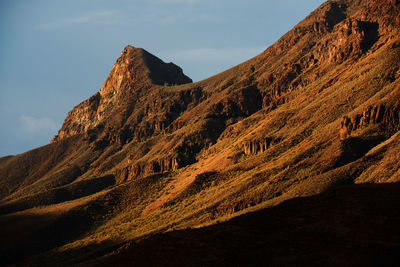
<point x="152" y="151"/>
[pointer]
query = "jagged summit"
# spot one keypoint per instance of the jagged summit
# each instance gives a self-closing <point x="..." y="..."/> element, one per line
<point x="160" y="72"/>
<point x="136" y="67"/>
<point x="134" y="72"/>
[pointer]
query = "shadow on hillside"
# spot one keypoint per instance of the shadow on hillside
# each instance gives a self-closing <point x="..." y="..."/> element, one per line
<point x="351" y="225"/>
<point x="24" y="235"/>
<point x="61" y="194"/>
<point x="27" y="233"/>
<point x="354" y="148"/>
<point x="347" y="225"/>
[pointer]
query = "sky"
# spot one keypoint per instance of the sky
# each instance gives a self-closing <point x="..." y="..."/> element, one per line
<point x="56" y="53"/>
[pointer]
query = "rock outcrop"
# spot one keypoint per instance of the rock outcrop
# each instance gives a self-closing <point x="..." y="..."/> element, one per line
<point x="353" y="38"/>
<point x="241" y="103"/>
<point x="143" y="169"/>
<point x="381" y="114"/>
<point x="257" y="145"/>
<point x="135" y="71"/>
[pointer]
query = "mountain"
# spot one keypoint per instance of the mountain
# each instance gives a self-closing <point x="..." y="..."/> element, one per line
<point x="294" y="152"/>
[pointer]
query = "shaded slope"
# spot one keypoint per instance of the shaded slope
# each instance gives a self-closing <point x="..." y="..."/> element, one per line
<point x="347" y="226"/>
<point x="40" y="229"/>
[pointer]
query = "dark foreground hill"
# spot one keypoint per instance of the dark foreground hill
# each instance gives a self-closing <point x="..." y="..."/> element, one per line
<point x="353" y="225"/>
<point x="152" y="152"/>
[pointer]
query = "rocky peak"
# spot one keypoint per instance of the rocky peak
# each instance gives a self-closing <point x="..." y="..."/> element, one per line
<point x="136" y="67"/>
<point x="134" y="71"/>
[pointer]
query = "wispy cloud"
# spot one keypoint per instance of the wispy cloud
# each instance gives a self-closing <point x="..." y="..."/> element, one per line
<point x="202" y="17"/>
<point x="190" y="2"/>
<point x="226" y="54"/>
<point x="166" y="19"/>
<point x="104" y="17"/>
<point x="31" y="125"/>
<point x="160" y="19"/>
<point x="200" y="63"/>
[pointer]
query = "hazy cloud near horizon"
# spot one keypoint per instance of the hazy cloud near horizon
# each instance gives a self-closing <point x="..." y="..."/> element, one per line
<point x="224" y="58"/>
<point x="216" y="54"/>
<point x="102" y="17"/>
<point x="31" y="125"/>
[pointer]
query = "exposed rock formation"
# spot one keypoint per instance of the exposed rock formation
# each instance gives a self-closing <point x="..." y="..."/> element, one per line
<point x="384" y="116"/>
<point x="241" y="103"/>
<point x="134" y="71"/>
<point x="354" y="37"/>
<point x="142" y="169"/>
<point x="257" y="145"/>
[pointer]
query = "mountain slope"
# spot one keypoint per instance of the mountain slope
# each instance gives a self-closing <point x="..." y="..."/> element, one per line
<point x="353" y="230"/>
<point x="153" y="152"/>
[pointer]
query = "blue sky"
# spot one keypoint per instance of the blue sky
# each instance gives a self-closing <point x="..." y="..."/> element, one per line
<point x="56" y="53"/>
